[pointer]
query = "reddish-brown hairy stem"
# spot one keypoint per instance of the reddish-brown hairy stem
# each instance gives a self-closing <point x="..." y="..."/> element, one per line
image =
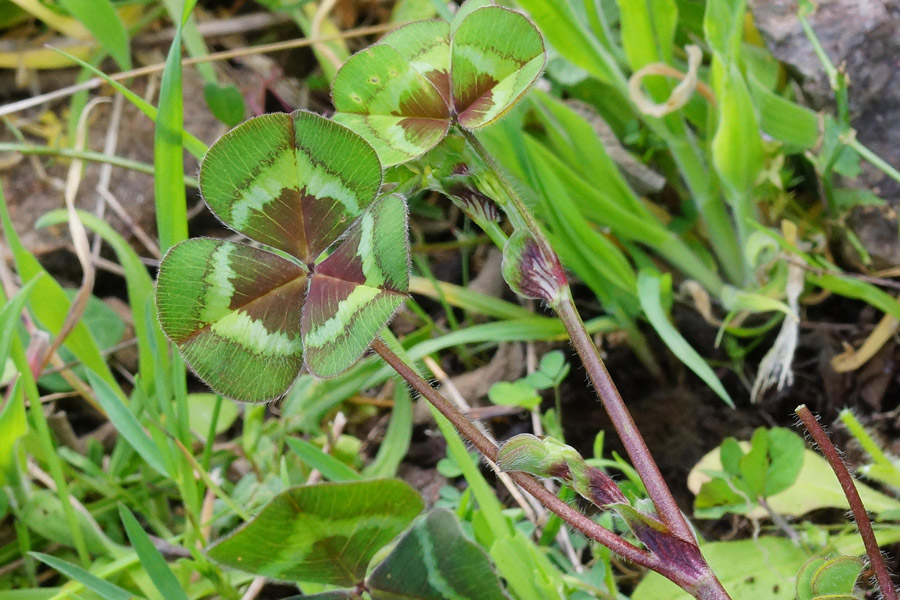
<point x="621" y="419"/>
<point x="706" y="587"/>
<point x="606" y="390"/>
<point x="859" y="511"/>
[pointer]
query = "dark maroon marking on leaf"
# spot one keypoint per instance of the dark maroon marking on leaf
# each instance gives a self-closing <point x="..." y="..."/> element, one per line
<point x="323" y="298"/>
<point x="419" y="128"/>
<point x="324" y="221"/>
<point x="279" y="310"/>
<point x="603" y="490"/>
<point x="281" y="224"/>
<point x="440" y="79"/>
<point x="471" y="98"/>
<point x="560" y="470"/>
<point x="424" y="104"/>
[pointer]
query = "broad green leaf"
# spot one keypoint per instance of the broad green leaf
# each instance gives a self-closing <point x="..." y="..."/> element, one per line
<point x="837" y="576"/>
<point x="805" y="577"/>
<point x="356" y="290"/>
<point x="435" y="561"/>
<point x="515" y="393"/>
<point x="325" y="533"/>
<point x="43" y="513"/>
<point x="815" y="487"/>
<point x="233" y="311"/>
<point x="785" y="459"/>
<point x="291" y="181"/>
<point x="105" y="589"/>
<point x="382" y="96"/>
<point x="495" y="56"/>
<point x="225" y="102"/>
<point x="200" y="412"/>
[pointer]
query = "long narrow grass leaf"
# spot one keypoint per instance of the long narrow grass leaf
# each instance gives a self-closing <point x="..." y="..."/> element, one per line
<point x="53" y="306"/>
<point x="137" y="281"/>
<point x="152" y="560"/>
<point x="396" y="440"/>
<point x="127" y="424"/>
<point x="100" y="17"/>
<point x="171" y="202"/>
<point x="105" y="589"/>
<point x="649" y="294"/>
<point x="191" y="143"/>
<point x="330" y="467"/>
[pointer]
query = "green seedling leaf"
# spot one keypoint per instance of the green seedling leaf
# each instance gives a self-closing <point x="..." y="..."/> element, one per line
<point x="514" y="393"/>
<point x="225" y="102"/>
<point x="785" y="459"/>
<point x="44" y="514"/>
<point x="435" y="561"/>
<point x="805" y="577"/>
<point x="105" y="589"/>
<point x="837" y="576"/>
<point x="405" y="92"/>
<point x="324" y="533"/>
<point x="200" y="413"/>
<point x="296" y="183"/>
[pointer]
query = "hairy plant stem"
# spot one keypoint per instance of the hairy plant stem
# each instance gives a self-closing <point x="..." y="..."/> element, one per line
<point x="705" y="587"/>
<point x="603" y="385"/>
<point x="818" y="434"/>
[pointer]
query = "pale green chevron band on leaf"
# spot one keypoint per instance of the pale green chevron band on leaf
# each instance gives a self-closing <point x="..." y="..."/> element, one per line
<point x="293" y="181"/>
<point x="490" y="72"/>
<point x="234" y="312"/>
<point x="328" y="331"/>
<point x="356" y="290"/>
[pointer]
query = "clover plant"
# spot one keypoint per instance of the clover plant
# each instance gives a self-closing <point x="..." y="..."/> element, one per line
<point x="405" y="92"/>
<point x="333" y="266"/>
<point x="246" y="318"/>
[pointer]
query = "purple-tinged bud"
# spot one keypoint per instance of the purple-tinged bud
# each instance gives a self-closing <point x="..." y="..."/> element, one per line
<point x="530" y="272"/>
<point x="595" y="485"/>
<point x="476" y="205"/>
<point x="684" y="555"/>
<point x="540" y="457"/>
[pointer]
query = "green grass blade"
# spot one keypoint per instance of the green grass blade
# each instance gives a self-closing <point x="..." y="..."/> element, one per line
<point x="156" y="566"/>
<point x="470" y="300"/>
<point x="10" y="315"/>
<point x="54" y="305"/>
<point x="105" y="589"/>
<point x="191" y="143"/>
<point x="193" y="40"/>
<point x="127" y="424"/>
<point x="100" y="18"/>
<point x="330" y="467"/>
<point x="168" y="184"/>
<point x="396" y="440"/>
<point x="13" y="425"/>
<point x="137" y="281"/>
<point x="649" y="291"/>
